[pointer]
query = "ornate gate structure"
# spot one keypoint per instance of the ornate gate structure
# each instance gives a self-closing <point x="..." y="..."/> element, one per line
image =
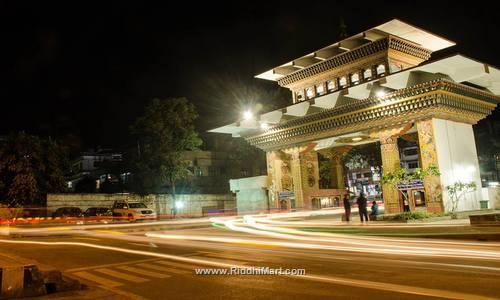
<point x="375" y="86"/>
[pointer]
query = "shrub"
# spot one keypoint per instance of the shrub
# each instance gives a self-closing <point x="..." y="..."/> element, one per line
<point x="415" y="215"/>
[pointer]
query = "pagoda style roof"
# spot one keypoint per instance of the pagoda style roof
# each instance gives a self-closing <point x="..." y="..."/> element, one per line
<point x="394" y="28"/>
<point x="456" y="87"/>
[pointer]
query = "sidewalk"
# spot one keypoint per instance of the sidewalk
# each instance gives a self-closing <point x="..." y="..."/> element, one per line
<point x="425" y="228"/>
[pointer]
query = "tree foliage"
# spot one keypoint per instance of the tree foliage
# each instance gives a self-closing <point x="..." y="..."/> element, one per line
<point x="457" y="191"/>
<point x="403" y="176"/>
<point x="30" y="167"/>
<point x="86" y="185"/>
<point x="363" y="156"/>
<point x="162" y="134"/>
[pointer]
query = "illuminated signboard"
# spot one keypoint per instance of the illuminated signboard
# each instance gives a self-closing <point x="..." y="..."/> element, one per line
<point x="415" y="184"/>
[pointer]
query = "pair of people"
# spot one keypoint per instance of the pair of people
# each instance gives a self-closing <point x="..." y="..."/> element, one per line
<point x="362" y="208"/>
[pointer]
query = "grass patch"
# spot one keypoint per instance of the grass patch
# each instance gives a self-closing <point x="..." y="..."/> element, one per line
<point x="322" y="229"/>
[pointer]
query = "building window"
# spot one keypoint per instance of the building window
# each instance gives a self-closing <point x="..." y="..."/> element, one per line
<point x="300" y="95"/>
<point x="413" y="165"/>
<point x="355" y="78"/>
<point x="331" y="86"/>
<point x="309" y="92"/>
<point x="380" y="70"/>
<point x="223" y="171"/>
<point x="213" y="171"/>
<point x="244" y="172"/>
<point x="320" y="89"/>
<point x="410" y="152"/>
<point x="343" y="82"/>
<point x="367" y="74"/>
<point x="419" y="198"/>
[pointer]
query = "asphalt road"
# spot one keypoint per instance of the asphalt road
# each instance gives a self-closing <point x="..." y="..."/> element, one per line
<point x="129" y="264"/>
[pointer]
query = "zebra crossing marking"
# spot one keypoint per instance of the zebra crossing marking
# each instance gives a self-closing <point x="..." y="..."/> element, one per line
<point x="164" y="269"/>
<point x="123" y="276"/>
<point x="143" y="272"/>
<point x="97" y="279"/>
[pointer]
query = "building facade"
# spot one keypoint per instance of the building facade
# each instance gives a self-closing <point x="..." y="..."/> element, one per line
<point x="94" y="164"/>
<point x="377" y="86"/>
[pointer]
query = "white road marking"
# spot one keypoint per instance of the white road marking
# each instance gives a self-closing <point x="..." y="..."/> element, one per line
<point x="143" y="272"/>
<point x="111" y="265"/>
<point x="120" y="275"/>
<point x="164" y="269"/>
<point x="97" y="279"/>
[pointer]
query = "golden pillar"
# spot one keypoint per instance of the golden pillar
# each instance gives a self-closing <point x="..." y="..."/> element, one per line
<point x="390" y="162"/>
<point x="297" y="177"/>
<point x="279" y="175"/>
<point x="428" y="157"/>
<point x="304" y="173"/>
<point x="337" y="169"/>
<point x="337" y="173"/>
<point x="273" y="177"/>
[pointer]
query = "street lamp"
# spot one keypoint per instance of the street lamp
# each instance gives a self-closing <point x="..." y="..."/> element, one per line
<point x="247" y="115"/>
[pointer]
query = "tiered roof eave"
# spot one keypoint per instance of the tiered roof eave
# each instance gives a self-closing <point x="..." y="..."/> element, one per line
<point x="394" y="27"/>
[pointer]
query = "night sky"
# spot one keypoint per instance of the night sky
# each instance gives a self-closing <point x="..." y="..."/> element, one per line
<point x="88" y="69"/>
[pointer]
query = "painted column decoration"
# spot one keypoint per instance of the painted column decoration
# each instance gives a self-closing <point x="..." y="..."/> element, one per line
<point x="390" y="163"/>
<point x="304" y="173"/>
<point x="428" y="156"/>
<point x="297" y="177"/>
<point x="272" y="179"/>
<point x="310" y="176"/>
<point x="279" y="178"/>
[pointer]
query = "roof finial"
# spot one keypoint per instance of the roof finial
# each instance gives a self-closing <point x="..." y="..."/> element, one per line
<point x="342" y="29"/>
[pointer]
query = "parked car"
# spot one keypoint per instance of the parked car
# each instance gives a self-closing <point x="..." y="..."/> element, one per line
<point x="65" y="212"/>
<point x="102" y="214"/>
<point x="132" y="210"/>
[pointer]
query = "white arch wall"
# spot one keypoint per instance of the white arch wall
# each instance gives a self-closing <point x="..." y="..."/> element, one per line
<point x="457" y="159"/>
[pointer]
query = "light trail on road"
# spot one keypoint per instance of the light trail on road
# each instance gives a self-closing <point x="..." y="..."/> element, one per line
<point x="395" y="288"/>
<point x="328" y="241"/>
<point x="255" y="223"/>
<point x="5" y="230"/>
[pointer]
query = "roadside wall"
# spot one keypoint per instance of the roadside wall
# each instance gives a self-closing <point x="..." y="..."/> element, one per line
<point x="251" y="194"/>
<point x="492" y="194"/>
<point x="494" y="197"/>
<point x="189" y="204"/>
<point x="457" y="161"/>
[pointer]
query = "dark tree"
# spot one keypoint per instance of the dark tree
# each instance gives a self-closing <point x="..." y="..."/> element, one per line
<point x="30" y="168"/>
<point x="163" y="133"/>
<point x="111" y="186"/>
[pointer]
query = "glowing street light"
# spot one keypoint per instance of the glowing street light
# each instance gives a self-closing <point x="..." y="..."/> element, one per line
<point x="247" y="115"/>
<point x="380" y="93"/>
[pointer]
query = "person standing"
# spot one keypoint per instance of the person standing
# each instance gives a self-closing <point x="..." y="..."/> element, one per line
<point x="347" y="207"/>
<point x="362" y="207"/>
